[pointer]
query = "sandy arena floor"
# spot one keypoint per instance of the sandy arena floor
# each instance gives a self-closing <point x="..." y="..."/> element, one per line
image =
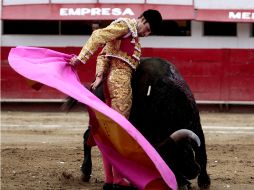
<point x="44" y="151"/>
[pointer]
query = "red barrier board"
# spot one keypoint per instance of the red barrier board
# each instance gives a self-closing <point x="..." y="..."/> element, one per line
<point x="213" y="74"/>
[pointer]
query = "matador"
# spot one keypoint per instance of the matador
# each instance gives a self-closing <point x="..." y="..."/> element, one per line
<point x="116" y="63"/>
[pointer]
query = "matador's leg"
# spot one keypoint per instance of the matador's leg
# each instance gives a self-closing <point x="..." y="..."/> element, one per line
<point x="118" y="95"/>
<point x="119" y="89"/>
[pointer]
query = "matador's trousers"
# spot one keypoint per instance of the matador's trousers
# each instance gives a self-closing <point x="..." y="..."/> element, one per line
<point x="118" y="92"/>
<point x="118" y="95"/>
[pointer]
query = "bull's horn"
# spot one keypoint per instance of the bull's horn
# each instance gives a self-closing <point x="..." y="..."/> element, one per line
<point x="185" y="133"/>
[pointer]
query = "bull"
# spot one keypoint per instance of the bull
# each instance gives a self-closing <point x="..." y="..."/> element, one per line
<point x="165" y="112"/>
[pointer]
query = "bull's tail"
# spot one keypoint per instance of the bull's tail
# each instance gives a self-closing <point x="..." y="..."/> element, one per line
<point x="69" y="104"/>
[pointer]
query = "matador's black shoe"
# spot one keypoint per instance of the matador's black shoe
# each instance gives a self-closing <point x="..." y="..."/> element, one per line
<point x="108" y="186"/>
<point x="122" y="187"/>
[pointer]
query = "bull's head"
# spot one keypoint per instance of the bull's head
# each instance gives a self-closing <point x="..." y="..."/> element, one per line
<point x="178" y="152"/>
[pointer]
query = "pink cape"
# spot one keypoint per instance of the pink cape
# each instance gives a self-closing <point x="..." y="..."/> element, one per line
<point x="115" y="136"/>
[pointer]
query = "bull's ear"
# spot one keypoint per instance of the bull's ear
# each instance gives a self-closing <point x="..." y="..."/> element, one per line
<point x="185" y="134"/>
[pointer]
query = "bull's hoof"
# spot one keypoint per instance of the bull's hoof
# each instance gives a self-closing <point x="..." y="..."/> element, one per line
<point x="204" y="182"/>
<point x="121" y="187"/>
<point x="86" y="170"/>
<point x="85" y="178"/>
<point x="108" y="186"/>
<point x="185" y="187"/>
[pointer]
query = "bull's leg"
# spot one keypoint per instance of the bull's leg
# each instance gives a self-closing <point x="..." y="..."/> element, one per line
<point x="201" y="158"/>
<point x="86" y="167"/>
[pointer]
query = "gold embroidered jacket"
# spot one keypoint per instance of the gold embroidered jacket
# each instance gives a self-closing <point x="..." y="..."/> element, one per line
<point x="119" y="39"/>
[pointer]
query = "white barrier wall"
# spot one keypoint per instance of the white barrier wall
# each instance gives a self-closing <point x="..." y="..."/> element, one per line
<point x="73" y="1"/>
<point x="168" y="2"/>
<point x="171" y="2"/>
<point x="22" y="2"/>
<point x="199" y="4"/>
<point x="224" y="4"/>
<point x="123" y="1"/>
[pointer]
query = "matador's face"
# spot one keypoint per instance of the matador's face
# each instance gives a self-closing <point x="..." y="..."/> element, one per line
<point x="143" y="27"/>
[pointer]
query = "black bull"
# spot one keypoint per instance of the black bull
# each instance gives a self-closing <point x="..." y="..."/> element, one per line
<point x="162" y="104"/>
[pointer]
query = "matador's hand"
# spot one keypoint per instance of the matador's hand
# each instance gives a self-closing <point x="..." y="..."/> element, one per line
<point x="97" y="82"/>
<point x="74" y="61"/>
